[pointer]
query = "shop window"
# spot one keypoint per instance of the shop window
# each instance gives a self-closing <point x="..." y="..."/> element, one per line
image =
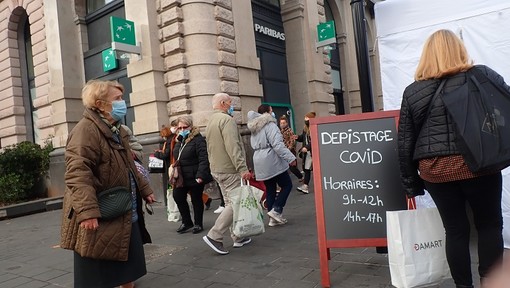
<point x="94" y="5"/>
<point x="275" y="3"/>
<point x="99" y="39"/>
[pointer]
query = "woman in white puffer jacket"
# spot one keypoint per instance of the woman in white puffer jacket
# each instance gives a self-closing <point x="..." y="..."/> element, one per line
<point x="271" y="160"/>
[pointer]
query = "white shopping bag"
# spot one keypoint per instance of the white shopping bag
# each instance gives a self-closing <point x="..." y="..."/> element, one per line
<point x="171" y="209"/>
<point x="416" y="248"/>
<point x="248" y="213"/>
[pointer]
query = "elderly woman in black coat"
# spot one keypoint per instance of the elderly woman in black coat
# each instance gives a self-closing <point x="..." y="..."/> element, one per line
<point x="191" y="152"/>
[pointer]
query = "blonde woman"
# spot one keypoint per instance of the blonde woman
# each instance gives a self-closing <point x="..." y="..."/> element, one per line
<point x="427" y="143"/>
<point x="107" y="253"/>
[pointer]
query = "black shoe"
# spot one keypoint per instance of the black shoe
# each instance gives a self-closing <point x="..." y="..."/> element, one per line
<point x="197" y="229"/>
<point x="184" y="228"/>
<point x="208" y="204"/>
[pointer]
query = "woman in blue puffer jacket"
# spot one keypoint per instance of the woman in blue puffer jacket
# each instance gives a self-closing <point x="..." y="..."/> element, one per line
<point x="271" y="160"/>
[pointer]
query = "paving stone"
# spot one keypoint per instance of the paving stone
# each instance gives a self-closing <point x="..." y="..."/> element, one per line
<point x="15" y="282"/>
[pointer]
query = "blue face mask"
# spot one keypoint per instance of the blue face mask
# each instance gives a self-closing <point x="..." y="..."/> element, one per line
<point x="274" y="115"/>
<point x="119" y="110"/>
<point x="184" y="133"/>
<point x="230" y="110"/>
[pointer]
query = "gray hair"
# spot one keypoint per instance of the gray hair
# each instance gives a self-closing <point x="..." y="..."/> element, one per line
<point x="186" y="120"/>
<point x="218" y="98"/>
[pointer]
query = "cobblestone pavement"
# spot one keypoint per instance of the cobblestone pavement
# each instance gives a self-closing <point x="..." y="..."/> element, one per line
<point x="284" y="256"/>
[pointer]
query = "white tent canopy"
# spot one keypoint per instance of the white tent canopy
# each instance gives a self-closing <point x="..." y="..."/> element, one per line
<point x="404" y="25"/>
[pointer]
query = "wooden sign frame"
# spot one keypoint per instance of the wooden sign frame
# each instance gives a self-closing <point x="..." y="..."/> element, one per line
<point x="324" y="243"/>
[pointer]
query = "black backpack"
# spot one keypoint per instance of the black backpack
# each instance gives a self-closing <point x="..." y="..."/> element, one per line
<point x="479" y="109"/>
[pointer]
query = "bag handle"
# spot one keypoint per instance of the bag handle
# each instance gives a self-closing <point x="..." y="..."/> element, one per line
<point x="411" y="204"/>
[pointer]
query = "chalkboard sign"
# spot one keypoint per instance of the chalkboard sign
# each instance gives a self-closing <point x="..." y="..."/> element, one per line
<point x="360" y="177"/>
<point x="356" y="179"/>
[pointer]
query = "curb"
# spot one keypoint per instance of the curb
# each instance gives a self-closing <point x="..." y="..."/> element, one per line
<point x="31" y="207"/>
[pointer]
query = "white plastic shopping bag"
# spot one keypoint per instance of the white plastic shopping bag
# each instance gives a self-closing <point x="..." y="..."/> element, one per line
<point x="425" y="201"/>
<point x="248" y="213"/>
<point x="416" y="248"/>
<point x="171" y="209"/>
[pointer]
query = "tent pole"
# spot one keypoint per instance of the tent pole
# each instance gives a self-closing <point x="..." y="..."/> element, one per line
<point x="365" y="80"/>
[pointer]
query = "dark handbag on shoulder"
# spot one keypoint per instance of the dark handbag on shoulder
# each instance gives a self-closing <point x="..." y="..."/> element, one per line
<point x="114" y="202"/>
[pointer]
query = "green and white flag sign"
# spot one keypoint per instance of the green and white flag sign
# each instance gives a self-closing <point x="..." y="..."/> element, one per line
<point x="326" y="31"/>
<point x="123" y="31"/>
<point x="109" y="60"/>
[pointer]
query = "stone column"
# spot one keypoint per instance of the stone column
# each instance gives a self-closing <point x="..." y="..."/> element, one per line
<point x="348" y="66"/>
<point x="149" y="96"/>
<point x="248" y="64"/>
<point x="61" y="85"/>
<point x="309" y="82"/>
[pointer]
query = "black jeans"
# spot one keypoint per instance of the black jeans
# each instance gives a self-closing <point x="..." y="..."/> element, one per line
<point x="483" y="194"/>
<point x="308" y="176"/>
<point x="272" y="200"/>
<point x="180" y="197"/>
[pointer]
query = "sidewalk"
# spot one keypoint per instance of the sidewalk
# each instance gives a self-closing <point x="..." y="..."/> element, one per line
<point x="284" y="256"/>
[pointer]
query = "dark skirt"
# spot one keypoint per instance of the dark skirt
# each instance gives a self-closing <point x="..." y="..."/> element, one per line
<point x="90" y="272"/>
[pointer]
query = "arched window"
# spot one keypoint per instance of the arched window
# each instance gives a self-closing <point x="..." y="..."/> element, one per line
<point x="27" y="77"/>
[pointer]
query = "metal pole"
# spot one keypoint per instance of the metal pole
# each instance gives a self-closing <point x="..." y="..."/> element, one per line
<point x="360" y="31"/>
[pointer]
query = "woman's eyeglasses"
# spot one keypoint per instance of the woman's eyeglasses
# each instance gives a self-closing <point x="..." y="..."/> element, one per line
<point x="182" y="128"/>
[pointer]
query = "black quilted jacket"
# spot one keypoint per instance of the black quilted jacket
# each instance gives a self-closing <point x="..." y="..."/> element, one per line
<point x="425" y="136"/>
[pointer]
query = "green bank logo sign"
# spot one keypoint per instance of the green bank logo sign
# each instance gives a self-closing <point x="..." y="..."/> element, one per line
<point x="269" y="32"/>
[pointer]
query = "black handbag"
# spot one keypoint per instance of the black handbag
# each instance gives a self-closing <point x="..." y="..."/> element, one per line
<point x="114" y="202"/>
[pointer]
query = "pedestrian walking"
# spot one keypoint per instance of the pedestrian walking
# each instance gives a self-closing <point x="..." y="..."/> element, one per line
<point x="271" y="160"/>
<point x="228" y="166"/>
<point x="191" y="153"/>
<point x="305" y="153"/>
<point x="430" y="158"/>
<point x="107" y="253"/>
<point x="289" y="138"/>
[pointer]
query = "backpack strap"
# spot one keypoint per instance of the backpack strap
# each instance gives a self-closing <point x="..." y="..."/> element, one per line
<point x="435" y="96"/>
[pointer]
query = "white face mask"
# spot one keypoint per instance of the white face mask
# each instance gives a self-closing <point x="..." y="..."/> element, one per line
<point x="173" y="129"/>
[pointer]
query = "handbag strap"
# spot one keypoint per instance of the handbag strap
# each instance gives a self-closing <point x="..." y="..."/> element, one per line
<point x="180" y="151"/>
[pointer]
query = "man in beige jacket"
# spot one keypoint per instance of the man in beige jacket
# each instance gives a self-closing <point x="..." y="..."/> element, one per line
<point x="228" y="165"/>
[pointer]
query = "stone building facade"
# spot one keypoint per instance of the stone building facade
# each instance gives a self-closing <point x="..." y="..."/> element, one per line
<point x="257" y="51"/>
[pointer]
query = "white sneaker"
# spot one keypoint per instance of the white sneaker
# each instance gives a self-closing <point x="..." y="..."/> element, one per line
<point x="277" y="216"/>
<point x="273" y="222"/>
<point x="303" y="188"/>
<point x="219" y="210"/>
<point x="242" y="242"/>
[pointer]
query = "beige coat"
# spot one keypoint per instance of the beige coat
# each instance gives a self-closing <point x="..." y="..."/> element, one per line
<point x="224" y="145"/>
<point x="95" y="162"/>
